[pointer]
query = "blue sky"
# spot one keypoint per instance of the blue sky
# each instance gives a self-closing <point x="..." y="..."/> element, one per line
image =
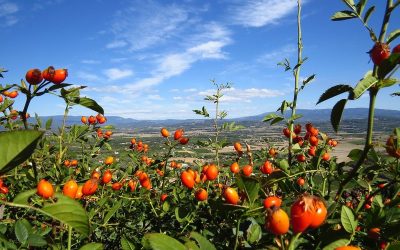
<point x="155" y="59"/>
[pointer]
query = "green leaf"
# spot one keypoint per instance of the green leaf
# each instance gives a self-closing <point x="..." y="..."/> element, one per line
<point x="254" y="233"/>
<point x="388" y="82"/>
<point x="284" y="106"/>
<point x="126" y="244"/>
<point x="202" y="241"/>
<point x="360" y="6"/>
<point x="48" y="123"/>
<point x="112" y="211"/>
<point x="21" y="232"/>
<point x="335" y="244"/>
<point x="348" y="220"/>
<point x="250" y="186"/>
<point x="295" y="117"/>
<point x="336" y="114"/>
<point x="22" y="198"/>
<point x="231" y="126"/>
<point x="334" y="91"/>
<point x="368" y="14"/>
<point x="6" y="104"/>
<point x="343" y="15"/>
<point x="59" y="86"/>
<point x="159" y="241"/>
<point x="89" y="103"/>
<point x="364" y="85"/>
<point x="69" y="212"/>
<point x="20" y="146"/>
<point x="308" y="79"/>
<point x="272" y="117"/>
<point x="92" y="246"/>
<point x="284" y="165"/>
<point x="393" y="35"/>
<point x="36" y="240"/>
<point x="394" y="246"/>
<point x="355" y="154"/>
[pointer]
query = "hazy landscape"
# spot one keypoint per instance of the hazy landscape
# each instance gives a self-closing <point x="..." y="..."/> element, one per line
<point x="256" y="133"/>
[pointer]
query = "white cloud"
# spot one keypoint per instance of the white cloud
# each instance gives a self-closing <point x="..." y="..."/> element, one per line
<point x="190" y="90"/>
<point x="88" y="76"/>
<point x="7" y="13"/>
<point x="244" y="95"/>
<point x="148" y="23"/>
<point x="116" y="74"/>
<point x="89" y="61"/>
<point x="116" y="44"/>
<point x="177" y="98"/>
<point x="258" y="13"/>
<point x="272" y="58"/>
<point x="154" y="97"/>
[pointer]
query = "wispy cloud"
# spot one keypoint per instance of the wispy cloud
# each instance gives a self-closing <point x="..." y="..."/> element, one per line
<point x="244" y="95"/>
<point x="89" y="61"/>
<point x="86" y="76"/>
<point x="143" y="25"/>
<point x="258" y="13"/>
<point x="206" y="43"/>
<point x="273" y="57"/>
<point x="7" y="13"/>
<point x="116" y="44"/>
<point x="116" y="74"/>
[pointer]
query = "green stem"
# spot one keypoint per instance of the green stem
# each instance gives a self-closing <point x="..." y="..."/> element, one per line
<point x="24" y="111"/>
<point x="296" y="78"/>
<point x="62" y="134"/>
<point x="292" y="244"/>
<point x="69" y="237"/>
<point x="216" y="127"/>
<point x="237" y="235"/>
<point x="368" y="144"/>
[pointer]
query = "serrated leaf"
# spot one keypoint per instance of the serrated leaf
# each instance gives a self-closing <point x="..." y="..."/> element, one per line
<point x="126" y="244"/>
<point x="348" y="220"/>
<point x="393" y="35"/>
<point x="159" y="241"/>
<point x="368" y="14"/>
<point x="69" y="212"/>
<point x="336" y="244"/>
<point x="92" y="246"/>
<point x="112" y="211"/>
<point x="334" y="91"/>
<point x="21" y="232"/>
<point x="364" y="85"/>
<point x="36" y="240"/>
<point x="343" y="15"/>
<point x="88" y="103"/>
<point x="336" y="114"/>
<point x="204" y="244"/>
<point x="250" y="186"/>
<point x="20" y="146"/>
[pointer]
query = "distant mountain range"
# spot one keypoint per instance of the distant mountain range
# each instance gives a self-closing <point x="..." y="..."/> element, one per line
<point x="313" y="115"/>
